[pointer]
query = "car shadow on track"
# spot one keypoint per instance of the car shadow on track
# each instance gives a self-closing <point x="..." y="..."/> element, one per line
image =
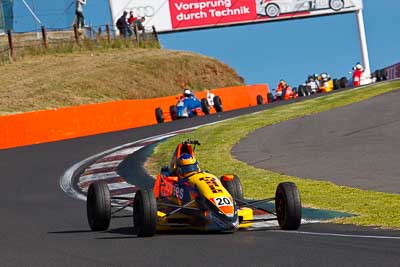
<point x="128" y="232"/>
<point x="70" y="232"/>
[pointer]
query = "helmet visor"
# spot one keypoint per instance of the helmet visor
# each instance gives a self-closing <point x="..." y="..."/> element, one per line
<point x="188" y="168"/>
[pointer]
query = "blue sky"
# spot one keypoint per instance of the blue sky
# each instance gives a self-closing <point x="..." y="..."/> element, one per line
<point x="266" y="52"/>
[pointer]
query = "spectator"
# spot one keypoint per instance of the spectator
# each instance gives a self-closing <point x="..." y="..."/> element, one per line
<point x="131" y="18"/>
<point x="123" y="26"/>
<point x="80" y="19"/>
<point x="358" y="71"/>
<point x="139" y="23"/>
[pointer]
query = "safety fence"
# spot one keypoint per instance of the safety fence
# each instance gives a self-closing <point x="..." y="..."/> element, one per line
<point x="13" y="45"/>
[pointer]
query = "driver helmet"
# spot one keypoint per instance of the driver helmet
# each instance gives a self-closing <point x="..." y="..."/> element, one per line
<point x="187" y="93"/>
<point x="186" y="165"/>
<point x="282" y="83"/>
<point x="358" y="66"/>
<point x="324" y="76"/>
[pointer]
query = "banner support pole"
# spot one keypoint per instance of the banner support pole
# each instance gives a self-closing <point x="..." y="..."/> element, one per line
<point x="112" y="17"/>
<point x="363" y="41"/>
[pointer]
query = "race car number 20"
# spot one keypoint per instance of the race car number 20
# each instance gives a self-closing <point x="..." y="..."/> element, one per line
<point x="222" y="201"/>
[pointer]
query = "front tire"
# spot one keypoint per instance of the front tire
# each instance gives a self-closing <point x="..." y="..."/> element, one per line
<point x="343" y="82"/>
<point x="204" y="106"/>
<point x="98" y="207"/>
<point x="288" y="206"/>
<point x="308" y="89"/>
<point x="145" y="213"/>
<point x="336" y="5"/>
<point x="173" y="112"/>
<point x="233" y="186"/>
<point x="270" y="97"/>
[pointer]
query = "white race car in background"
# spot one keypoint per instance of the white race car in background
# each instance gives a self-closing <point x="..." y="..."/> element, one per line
<point x="274" y="8"/>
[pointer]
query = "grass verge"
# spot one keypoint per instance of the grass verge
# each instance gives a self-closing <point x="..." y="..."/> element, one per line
<point x="58" y="80"/>
<point x="373" y="208"/>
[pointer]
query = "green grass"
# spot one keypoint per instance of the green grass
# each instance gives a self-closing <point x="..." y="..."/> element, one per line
<point x="70" y="46"/>
<point x="373" y="208"/>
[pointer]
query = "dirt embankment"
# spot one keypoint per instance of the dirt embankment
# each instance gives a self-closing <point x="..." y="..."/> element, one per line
<point x="49" y="81"/>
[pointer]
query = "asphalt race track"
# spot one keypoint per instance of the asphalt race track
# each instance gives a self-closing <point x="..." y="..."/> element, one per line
<point x="356" y="145"/>
<point x="42" y="226"/>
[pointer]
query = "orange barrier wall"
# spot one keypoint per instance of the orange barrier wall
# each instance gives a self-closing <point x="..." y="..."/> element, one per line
<point x="64" y="123"/>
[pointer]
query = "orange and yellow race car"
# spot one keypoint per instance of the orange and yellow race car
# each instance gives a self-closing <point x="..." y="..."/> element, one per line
<point x="184" y="197"/>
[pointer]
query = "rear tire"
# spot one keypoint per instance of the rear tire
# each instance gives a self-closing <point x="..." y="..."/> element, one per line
<point x="260" y="100"/>
<point x="204" y="106"/>
<point x="233" y="186"/>
<point x="378" y="75"/>
<point x="272" y="10"/>
<point x="217" y="104"/>
<point x="301" y="90"/>
<point x="145" y="213"/>
<point x="343" y="82"/>
<point x="159" y="115"/>
<point x="98" y="207"/>
<point x="288" y="206"/>
<point x="336" y="84"/>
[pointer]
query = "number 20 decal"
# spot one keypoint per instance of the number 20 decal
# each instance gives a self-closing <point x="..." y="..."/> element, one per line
<point x="223" y="201"/>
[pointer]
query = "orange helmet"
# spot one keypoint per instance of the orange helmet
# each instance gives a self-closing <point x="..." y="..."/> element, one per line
<point x="186" y="164"/>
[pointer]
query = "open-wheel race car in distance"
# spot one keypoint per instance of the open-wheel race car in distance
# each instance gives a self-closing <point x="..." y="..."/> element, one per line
<point x="282" y="92"/>
<point x="187" y="198"/>
<point x="274" y="8"/>
<point x="189" y="105"/>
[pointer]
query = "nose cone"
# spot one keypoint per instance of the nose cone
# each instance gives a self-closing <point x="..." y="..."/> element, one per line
<point x="222" y="222"/>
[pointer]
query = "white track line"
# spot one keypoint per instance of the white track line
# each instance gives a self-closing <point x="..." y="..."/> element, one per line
<point x="126" y="151"/>
<point x="67" y="176"/>
<point x="342" y="235"/>
<point x="106" y="164"/>
<point x="269" y="224"/>
<point x="123" y="185"/>
<point x="97" y="176"/>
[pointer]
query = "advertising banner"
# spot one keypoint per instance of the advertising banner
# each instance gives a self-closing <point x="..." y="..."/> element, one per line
<point x="174" y="15"/>
<point x="6" y="15"/>
<point x="393" y="71"/>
